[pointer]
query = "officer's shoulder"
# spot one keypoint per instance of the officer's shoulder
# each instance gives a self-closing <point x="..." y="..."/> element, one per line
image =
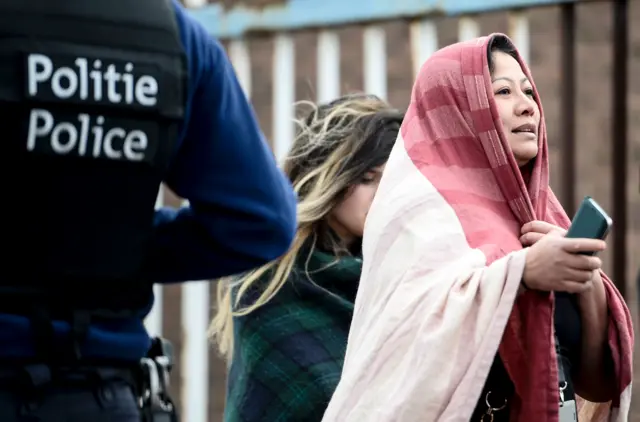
<point x="195" y="37"/>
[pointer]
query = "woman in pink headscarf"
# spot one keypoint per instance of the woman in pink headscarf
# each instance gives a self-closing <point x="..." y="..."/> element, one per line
<point x="472" y="304"/>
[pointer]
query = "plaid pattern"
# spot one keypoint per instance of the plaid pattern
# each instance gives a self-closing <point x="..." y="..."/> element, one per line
<point x="288" y="353"/>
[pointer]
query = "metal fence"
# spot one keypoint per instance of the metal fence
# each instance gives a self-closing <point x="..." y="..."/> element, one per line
<point x="288" y="50"/>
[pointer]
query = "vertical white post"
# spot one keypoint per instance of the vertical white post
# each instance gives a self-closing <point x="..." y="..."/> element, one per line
<point x="153" y="322"/>
<point x="519" y="33"/>
<point x="375" y="61"/>
<point x="239" y="55"/>
<point x="468" y="29"/>
<point x="424" y="42"/>
<point x="283" y="95"/>
<point x="328" y="66"/>
<point x="195" y="352"/>
<point x="194" y="4"/>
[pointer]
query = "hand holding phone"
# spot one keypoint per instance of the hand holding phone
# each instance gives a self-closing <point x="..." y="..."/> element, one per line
<point x="557" y="263"/>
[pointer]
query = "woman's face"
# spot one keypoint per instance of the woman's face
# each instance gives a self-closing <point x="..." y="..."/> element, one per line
<point x="348" y="217"/>
<point x="517" y="107"/>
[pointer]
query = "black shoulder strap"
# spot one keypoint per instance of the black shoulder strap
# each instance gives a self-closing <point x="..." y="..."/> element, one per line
<point x="501" y="385"/>
<point x="564" y="377"/>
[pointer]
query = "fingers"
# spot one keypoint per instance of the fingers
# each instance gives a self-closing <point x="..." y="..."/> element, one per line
<point x="582" y="262"/>
<point x="574" y="287"/>
<point x="578" y="276"/>
<point x="543" y="227"/>
<point x="530" y="238"/>
<point x="582" y="245"/>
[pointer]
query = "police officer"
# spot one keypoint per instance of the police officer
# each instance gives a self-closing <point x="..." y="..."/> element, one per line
<point x="100" y="102"/>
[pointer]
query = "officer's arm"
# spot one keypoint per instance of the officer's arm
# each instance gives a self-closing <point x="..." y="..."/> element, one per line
<point x="242" y="207"/>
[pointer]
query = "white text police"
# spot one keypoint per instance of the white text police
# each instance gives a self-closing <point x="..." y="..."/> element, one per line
<point x="85" y="138"/>
<point x="90" y="80"/>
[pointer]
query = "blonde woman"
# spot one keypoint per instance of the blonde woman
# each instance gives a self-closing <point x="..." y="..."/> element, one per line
<point x="283" y="327"/>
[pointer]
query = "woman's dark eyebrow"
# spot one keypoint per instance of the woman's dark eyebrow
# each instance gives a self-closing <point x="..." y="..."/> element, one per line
<point x="525" y="79"/>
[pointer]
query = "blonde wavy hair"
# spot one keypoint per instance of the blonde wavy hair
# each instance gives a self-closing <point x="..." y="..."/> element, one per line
<point x="336" y="145"/>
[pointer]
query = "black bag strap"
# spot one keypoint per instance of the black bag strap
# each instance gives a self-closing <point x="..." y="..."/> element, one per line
<point x="564" y="378"/>
<point x="502" y="387"/>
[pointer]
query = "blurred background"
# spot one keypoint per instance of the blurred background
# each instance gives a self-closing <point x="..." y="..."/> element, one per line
<point x="583" y="55"/>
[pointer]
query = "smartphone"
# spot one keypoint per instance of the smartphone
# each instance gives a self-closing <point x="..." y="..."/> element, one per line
<point x="590" y="222"/>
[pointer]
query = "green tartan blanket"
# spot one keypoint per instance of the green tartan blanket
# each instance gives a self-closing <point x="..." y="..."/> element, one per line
<point x="288" y="353"/>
